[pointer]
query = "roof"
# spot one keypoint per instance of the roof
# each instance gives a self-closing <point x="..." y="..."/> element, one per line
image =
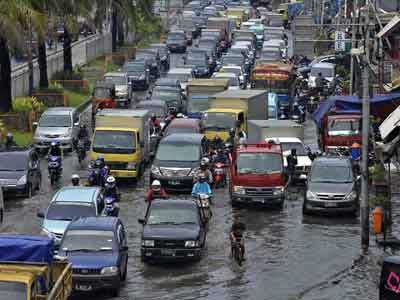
<point x="184" y="123"/>
<point x="389" y="27"/>
<point x="262" y="147"/>
<point x="59" y="110"/>
<point x="76" y="194"/>
<point x="94" y="223"/>
<point x="194" y="138"/>
<point x="18" y="152"/>
<point x="184" y="203"/>
<point x="123" y="112"/>
<point x="394" y="259"/>
<point x="332" y="161"/>
<point x="179" y="71"/>
<point x="239" y="94"/>
<point x="224" y="75"/>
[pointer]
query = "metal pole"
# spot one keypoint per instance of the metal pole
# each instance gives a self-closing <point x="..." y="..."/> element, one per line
<point x="364" y="207"/>
<point x="322" y="13"/>
<point x="353" y="45"/>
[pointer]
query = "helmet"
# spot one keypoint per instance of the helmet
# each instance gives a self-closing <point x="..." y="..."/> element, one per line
<point x="203" y="165"/>
<point x="75" y="179"/>
<point x="82" y="125"/>
<point x="202" y="178"/>
<point x="110" y="182"/>
<point x="9" y="136"/>
<point x="100" y="163"/>
<point x="156" y="185"/>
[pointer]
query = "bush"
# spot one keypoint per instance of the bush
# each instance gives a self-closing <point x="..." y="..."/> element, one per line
<point x="27" y="104"/>
<point x="74" y="75"/>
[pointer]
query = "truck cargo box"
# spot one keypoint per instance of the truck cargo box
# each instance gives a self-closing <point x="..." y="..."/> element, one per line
<point x="259" y="130"/>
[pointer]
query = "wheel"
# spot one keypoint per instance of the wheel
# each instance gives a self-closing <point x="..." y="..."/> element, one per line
<point x="123" y="277"/>
<point x="53" y="178"/>
<point x="305" y="210"/>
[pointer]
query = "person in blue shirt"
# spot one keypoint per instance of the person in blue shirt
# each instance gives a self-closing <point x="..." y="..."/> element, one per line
<point x="201" y="186"/>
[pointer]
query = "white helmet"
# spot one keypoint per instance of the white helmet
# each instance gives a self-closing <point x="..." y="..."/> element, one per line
<point x="205" y="160"/>
<point x="110" y="182"/>
<point x="156" y="185"/>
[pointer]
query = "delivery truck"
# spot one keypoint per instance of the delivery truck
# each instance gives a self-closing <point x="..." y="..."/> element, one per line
<point x="121" y="136"/>
<point x="198" y="93"/>
<point x="260" y="130"/>
<point x="232" y="109"/>
<point x="29" y="270"/>
<point x="223" y="24"/>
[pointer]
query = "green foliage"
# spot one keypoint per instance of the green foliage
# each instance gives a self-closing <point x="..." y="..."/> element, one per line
<point x="22" y="138"/>
<point x="377" y="172"/>
<point x="379" y="200"/>
<point x="67" y="75"/>
<point x="27" y="104"/>
<point x="75" y="98"/>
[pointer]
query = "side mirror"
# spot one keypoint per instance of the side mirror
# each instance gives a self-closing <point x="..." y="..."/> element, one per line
<point x="35" y="124"/>
<point x="141" y="221"/>
<point x="40" y="215"/>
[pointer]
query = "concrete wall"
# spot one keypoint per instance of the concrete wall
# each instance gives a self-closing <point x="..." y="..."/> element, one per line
<point x="83" y="51"/>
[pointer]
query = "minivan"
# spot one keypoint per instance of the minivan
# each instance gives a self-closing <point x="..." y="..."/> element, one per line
<point x="57" y="124"/>
<point x="178" y="160"/>
<point x="332" y="186"/>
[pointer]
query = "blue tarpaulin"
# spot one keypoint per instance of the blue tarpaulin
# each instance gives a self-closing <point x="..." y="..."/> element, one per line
<point x="295" y="9"/>
<point x="24" y="248"/>
<point x="381" y="105"/>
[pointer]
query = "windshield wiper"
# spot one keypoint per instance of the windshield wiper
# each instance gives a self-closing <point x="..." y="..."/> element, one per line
<point x="82" y="249"/>
<point x="61" y="219"/>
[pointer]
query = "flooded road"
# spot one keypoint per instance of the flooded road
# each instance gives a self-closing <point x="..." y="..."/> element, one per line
<point x="288" y="256"/>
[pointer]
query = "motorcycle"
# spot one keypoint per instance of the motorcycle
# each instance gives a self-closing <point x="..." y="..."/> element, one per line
<point x="204" y="202"/>
<point x="97" y="177"/>
<point x="81" y="150"/>
<point x="111" y="208"/>
<point x="54" y="167"/>
<point x="219" y="175"/>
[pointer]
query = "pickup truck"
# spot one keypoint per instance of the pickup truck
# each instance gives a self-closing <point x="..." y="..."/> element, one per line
<point x="29" y="271"/>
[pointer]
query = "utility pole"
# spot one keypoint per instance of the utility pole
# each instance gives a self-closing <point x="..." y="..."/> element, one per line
<point x="322" y="13"/>
<point x="364" y="207"/>
<point x="353" y="45"/>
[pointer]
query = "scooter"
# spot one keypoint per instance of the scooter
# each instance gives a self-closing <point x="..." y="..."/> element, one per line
<point x="81" y="150"/>
<point x="203" y="201"/>
<point x="54" y="167"/>
<point x="97" y="177"/>
<point x="111" y="208"/>
<point x="219" y="175"/>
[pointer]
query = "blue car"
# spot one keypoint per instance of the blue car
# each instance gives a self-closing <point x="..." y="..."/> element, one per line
<point x="97" y="249"/>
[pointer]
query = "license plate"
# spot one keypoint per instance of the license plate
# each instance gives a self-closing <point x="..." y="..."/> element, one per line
<point x="330" y="204"/>
<point x="83" y="287"/>
<point x="168" y="252"/>
<point x="174" y="182"/>
<point x="260" y="200"/>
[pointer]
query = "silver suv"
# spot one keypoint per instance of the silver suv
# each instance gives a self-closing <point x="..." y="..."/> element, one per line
<point x="58" y="124"/>
<point x="331" y="186"/>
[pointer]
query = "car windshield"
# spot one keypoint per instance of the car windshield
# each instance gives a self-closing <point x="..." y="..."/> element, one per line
<point x="180" y="77"/>
<point x="114" y="141"/>
<point x="172" y="215"/>
<point x="165" y="93"/>
<point x="198" y="103"/>
<point x="69" y="211"/>
<point x="55" y="121"/>
<point x="178" y="152"/>
<point x="344" y="127"/>
<point x="13" y="163"/>
<point x="207" y="44"/>
<point x="102" y="93"/>
<point x="219" y="120"/>
<point x="330" y="174"/>
<point x="257" y="30"/>
<point x="176" y="36"/>
<point x="13" y="290"/>
<point x="118" y="80"/>
<point x="259" y="163"/>
<point x="326" y="72"/>
<point x="134" y="68"/>
<point x="197" y="55"/>
<point x="89" y="240"/>
<point x="229" y="60"/>
<point x="288" y="146"/>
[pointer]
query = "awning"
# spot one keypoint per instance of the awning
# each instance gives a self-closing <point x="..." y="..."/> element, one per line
<point x="390" y="27"/>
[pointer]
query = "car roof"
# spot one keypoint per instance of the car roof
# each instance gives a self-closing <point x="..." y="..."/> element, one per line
<point x="194" y="138"/>
<point x="332" y="161"/>
<point x="59" y="110"/>
<point x="184" y="203"/>
<point x="184" y="123"/>
<point x="151" y="103"/>
<point x="94" y="223"/>
<point x="76" y="194"/>
<point x="180" y="71"/>
<point x="323" y="65"/>
<point x="166" y="81"/>
<point x="17" y="153"/>
<point x="115" y="74"/>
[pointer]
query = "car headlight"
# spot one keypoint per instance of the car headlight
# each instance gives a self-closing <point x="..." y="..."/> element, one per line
<point x="148" y="243"/>
<point x="109" y="270"/>
<point x="194" y="171"/>
<point x="22" y="180"/>
<point x="131" y="165"/>
<point x="191" y="244"/>
<point x="351" y="196"/>
<point x="310" y="196"/>
<point x="279" y="190"/>
<point x="239" y="190"/>
<point x="155" y="171"/>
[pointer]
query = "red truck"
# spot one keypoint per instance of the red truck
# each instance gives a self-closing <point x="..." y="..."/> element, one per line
<point x="257" y="175"/>
<point x="339" y="130"/>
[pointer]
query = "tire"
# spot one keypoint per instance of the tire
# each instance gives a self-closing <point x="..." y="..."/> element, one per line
<point x="124" y="274"/>
<point x="305" y="210"/>
<point x="53" y="178"/>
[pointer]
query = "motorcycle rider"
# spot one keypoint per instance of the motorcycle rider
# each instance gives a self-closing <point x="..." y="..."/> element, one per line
<point x="83" y="134"/>
<point x="75" y="180"/>
<point x="217" y="142"/>
<point x="291" y="162"/>
<point x="220" y="157"/>
<point x="204" y="170"/>
<point x="156" y="191"/>
<point x="155" y="124"/>
<point x="231" y="138"/>
<point x="99" y="164"/>
<point x="236" y="235"/>
<point x="319" y="83"/>
<point x="201" y="187"/>
<point x="10" y="143"/>
<point x="111" y="189"/>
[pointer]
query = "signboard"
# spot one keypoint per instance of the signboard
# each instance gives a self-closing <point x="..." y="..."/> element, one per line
<point x="340" y="45"/>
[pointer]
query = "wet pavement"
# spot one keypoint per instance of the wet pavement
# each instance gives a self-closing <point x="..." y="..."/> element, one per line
<point x="288" y="256"/>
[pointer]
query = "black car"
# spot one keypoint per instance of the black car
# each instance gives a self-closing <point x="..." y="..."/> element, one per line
<point x="20" y="172"/>
<point x="97" y="248"/>
<point x="201" y="68"/>
<point x="165" y="60"/>
<point x="176" y="41"/>
<point x="170" y="95"/>
<point x="138" y="74"/>
<point x="173" y="230"/>
<point x="178" y="160"/>
<point x="332" y="186"/>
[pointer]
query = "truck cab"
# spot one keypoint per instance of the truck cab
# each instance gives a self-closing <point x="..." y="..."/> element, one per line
<point x="257" y="175"/>
<point x="103" y="96"/>
<point x="220" y="121"/>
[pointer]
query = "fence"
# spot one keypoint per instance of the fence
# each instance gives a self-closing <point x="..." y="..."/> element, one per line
<point x="83" y="51"/>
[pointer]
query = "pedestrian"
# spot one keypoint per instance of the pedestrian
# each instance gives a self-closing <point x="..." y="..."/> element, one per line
<point x="291" y="162"/>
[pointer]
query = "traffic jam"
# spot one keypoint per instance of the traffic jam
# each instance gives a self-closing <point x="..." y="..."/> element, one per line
<point x="211" y="124"/>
